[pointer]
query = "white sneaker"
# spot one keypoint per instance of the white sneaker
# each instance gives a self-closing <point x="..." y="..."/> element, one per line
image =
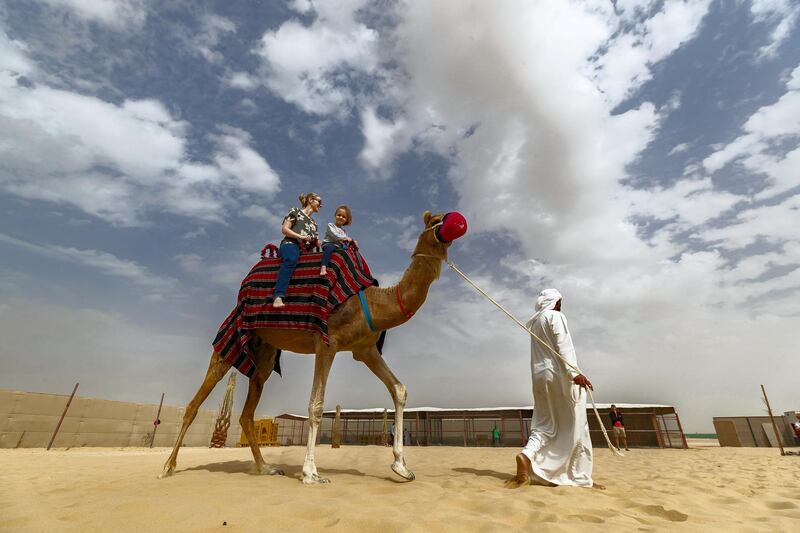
<point x="323" y="271"/>
<point x="278" y="302"/>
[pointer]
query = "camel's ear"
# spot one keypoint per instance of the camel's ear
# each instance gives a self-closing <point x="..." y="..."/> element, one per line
<point x="426" y="217"/>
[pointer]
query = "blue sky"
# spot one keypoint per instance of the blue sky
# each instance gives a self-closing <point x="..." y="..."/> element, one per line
<point x="641" y="156"/>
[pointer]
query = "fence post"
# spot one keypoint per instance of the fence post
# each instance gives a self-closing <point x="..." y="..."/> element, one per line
<point x="60" y="420"/>
<point x="772" y="419"/>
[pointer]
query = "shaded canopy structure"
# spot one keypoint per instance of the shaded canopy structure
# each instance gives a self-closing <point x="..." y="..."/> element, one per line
<point x="646" y="425"/>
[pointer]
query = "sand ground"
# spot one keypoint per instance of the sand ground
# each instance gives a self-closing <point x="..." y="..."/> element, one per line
<point x="457" y="489"/>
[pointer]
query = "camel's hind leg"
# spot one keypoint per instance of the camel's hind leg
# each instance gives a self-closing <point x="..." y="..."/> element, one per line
<point x="374" y="361"/>
<point x="216" y="371"/>
<point x="265" y="361"/>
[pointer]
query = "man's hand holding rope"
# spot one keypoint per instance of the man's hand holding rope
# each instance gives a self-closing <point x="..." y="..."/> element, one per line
<point x="583" y="381"/>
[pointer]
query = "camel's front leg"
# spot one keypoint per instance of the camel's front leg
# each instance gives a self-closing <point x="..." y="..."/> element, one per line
<point x="374" y="361"/>
<point x="322" y="367"/>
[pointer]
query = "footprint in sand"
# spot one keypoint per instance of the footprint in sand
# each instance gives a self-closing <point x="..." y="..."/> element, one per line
<point x="667" y="514"/>
<point x="781" y="506"/>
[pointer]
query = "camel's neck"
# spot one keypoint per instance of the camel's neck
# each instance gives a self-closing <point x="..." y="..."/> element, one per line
<point x="412" y="288"/>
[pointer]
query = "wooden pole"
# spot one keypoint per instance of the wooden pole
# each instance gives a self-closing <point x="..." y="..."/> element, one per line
<point x="336" y="432"/>
<point x="666" y="432"/>
<point x="772" y="419"/>
<point x="657" y="429"/>
<point x="157" y="421"/>
<point x="60" y="420"/>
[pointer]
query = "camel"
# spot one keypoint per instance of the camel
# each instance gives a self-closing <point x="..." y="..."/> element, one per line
<point x="348" y="330"/>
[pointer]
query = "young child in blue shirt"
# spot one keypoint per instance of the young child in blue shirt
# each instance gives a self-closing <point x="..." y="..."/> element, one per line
<point x="335" y="235"/>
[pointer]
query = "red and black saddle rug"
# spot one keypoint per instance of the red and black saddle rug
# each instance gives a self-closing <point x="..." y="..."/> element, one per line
<point x="309" y="300"/>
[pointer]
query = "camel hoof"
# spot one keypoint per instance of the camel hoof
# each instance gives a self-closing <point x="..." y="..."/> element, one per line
<point x="315" y="479"/>
<point x="271" y="472"/>
<point x="166" y="473"/>
<point x="403" y="472"/>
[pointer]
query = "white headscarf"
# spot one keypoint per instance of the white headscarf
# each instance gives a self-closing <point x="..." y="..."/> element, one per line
<point x="547" y="300"/>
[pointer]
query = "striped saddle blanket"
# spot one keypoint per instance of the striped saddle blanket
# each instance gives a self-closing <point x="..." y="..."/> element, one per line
<point x="309" y="300"/>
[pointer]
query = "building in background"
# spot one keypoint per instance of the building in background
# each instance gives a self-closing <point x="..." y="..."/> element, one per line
<point x="646" y="425"/>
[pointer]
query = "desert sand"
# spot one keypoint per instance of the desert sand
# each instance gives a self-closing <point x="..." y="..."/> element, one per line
<point x="457" y="489"/>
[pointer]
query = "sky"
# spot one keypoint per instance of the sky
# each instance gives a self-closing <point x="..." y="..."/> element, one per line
<point x="639" y="155"/>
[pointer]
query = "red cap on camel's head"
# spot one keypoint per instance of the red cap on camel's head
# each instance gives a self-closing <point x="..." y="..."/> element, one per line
<point x="453" y="226"/>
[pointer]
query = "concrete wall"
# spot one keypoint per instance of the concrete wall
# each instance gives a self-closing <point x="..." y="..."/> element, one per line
<point x="27" y="420"/>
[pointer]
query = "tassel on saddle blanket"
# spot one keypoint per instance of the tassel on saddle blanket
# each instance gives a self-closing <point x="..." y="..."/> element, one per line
<point x="310" y="299"/>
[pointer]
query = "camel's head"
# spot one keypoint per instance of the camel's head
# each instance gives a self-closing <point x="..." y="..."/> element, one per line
<point x="441" y="230"/>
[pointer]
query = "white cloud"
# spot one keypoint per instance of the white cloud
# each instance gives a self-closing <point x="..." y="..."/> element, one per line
<point x="204" y="42"/>
<point x="383" y="140"/>
<point x="631" y="53"/>
<point x="103" y="262"/>
<point x="199" y="232"/>
<point x="226" y="273"/>
<point x="542" y="149"/>
<point x="693" y="201"/>
<point x="678" y="148"/>
<point x="783" y="13"/>
<point x="242" y="80"/>
<point x="117" y="13"/>
<point x="117" y="161"/>
<point x="772" y="223"/>
<point x="768" y="143"/>
<point x="13" y="58"/>
<point x="243" y="165"/>
<point x="310" y="66"/>
<point x="261" y="214"/>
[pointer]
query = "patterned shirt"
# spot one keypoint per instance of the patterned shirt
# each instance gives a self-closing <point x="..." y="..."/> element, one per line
<point x="301" y="223"/>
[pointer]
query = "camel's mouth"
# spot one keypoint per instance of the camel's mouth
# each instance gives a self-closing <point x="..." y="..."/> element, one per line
<point x="452" y="226"/>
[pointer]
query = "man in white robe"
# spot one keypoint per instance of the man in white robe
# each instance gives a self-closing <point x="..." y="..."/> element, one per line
<point x="559" y="450"/>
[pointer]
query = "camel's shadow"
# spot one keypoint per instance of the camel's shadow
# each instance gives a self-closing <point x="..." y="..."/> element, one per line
<point x="244" y="467"/>
<point x="290" y="471"/>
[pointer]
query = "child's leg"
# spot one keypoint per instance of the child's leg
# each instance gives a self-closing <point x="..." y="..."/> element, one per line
<point x="327" y="251"/>
<point x="290" y="253"/>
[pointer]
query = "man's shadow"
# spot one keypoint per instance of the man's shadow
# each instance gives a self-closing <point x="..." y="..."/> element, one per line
<point x="502" y="476"/>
